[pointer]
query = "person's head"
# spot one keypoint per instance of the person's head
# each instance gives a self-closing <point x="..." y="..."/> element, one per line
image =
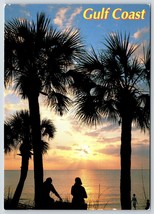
<point x="78" y="181"/>
<point x="49" y="180"/>
<point x="134" y="195"/>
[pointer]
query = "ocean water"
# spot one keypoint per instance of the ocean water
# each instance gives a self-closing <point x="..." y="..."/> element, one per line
<point x="102" y="186"/>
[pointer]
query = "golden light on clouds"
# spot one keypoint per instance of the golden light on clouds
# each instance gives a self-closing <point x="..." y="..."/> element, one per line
<point x="77" y="146"/>
<point x="141" y="32"/>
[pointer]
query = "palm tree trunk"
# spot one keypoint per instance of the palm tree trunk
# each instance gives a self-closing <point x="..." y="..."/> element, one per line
<point x="125" y="182"/>
<point x="23" y="175"/>
<point x="36" y="140"/>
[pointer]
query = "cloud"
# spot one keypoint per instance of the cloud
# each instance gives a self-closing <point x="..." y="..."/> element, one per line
<point x="13" y="103"/>
<point x="92" y="133"/>
<point x="61" y="16"/>
<point x="139" y="53"/>
<point x="82" y="150"/>
<point x="64" y="148"/>
<point x="140" y="33"/>
<point x="138" y="149"/>
<point x="75" y="126"/>
<point x="113" y="150"/>
<point x="144" y="142"/>
<point x="107" y="126"/>
<point x="73" y="15"/>
<point x="111" y="127"/>
<point x="13" y="107"/>
<point x="109" y="140"/>
<point x="63" y="19"/>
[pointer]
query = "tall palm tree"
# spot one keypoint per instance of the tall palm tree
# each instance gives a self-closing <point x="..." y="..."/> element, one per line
<point x="37" y="58"/>
<point x="18" y="135"/>
<point x="118" y="90"/>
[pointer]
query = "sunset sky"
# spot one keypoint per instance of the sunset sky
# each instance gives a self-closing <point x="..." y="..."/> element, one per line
<point x="77" y="146"/>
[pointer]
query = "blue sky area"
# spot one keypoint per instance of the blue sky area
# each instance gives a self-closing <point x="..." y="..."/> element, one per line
<point x="93" y="31"/>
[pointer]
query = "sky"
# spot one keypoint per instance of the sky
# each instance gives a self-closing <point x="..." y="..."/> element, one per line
<point x="77" y="146"/>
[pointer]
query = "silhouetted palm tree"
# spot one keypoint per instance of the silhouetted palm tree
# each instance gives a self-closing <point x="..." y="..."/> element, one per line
<point x="37" y="58"/>
<point x="117" y="90"/>
<point x="146" y="60"/>
<point x="18" y="135"/>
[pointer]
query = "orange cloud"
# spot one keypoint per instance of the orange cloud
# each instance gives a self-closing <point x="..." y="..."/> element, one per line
<point x="140" y="33"/>
<point x="61" y="16"/>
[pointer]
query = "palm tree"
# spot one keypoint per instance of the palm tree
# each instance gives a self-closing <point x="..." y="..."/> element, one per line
<point x="117" y="90"/>
<point x="146" y="62"/>
<point x="37" y="58"/>
<point x="18" y="134"/>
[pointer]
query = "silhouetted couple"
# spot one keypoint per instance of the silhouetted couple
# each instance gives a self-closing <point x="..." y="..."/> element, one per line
<point x="79" y="193"/>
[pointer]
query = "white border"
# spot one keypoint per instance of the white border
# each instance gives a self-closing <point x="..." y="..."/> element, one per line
<point x="2" y="5"/>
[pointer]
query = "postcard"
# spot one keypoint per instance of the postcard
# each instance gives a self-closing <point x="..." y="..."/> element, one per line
<point x="77" y="107"/>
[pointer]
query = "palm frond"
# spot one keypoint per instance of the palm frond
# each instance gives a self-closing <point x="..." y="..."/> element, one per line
<point x="109" y="110"/>
<point x="42" y="24"/>
<point x="91" y="62"/>
<point x="118" y="82"/>
<point x="58" y="102"/>
<point x="47" y="128"/>
<point x="44" y="146"/>
<point x="147" y="63"/>
<point x="79" y="82"/>
<point x="120" y="46"/>
<point x="8" y="138"/>
<point x="87" y="109"/>
<point x="71" y="45"/>
<point x="17" y="133"/>
<point x="141" y="119"/>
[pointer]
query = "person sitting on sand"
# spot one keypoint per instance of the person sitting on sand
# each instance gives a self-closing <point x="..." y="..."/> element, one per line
<point x="79" y="193"/>
<point x="134" y="201"/>
<point x="47" y="188"/>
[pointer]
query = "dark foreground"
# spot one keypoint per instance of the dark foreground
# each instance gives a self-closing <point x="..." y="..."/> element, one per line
<point x="56" y="206"/>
